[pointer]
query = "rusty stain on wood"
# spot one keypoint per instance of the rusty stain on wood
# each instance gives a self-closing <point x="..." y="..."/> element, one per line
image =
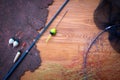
<point x="62" y="56"/>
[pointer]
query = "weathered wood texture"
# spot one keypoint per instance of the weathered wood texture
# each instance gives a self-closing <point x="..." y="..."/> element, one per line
<point x="62" y="56"/>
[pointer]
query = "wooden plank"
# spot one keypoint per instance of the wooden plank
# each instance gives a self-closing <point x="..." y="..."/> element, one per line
<point x="62" y="56"/>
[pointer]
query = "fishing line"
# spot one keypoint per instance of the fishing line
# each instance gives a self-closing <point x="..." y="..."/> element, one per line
<point x="88" y="49"/>
<point x="34" y="42"/>
<point x="53" y="31"/>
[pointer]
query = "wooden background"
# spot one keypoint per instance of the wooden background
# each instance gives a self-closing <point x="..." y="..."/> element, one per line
<point x="62" y="56"/>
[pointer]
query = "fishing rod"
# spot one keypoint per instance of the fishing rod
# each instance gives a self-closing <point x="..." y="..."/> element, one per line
<point x="34" y="42"/>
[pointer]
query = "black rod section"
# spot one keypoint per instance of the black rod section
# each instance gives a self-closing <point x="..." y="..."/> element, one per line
<point x="34" y="42"/>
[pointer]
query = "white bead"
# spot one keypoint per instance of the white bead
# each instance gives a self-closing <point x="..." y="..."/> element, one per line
<point x="11" y="40"/>
<point x="16" y="56"/>
<point x="15" y="43"/>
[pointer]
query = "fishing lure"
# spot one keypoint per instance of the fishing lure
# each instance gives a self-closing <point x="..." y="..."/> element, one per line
<point x="33" y="43"/>
<point x="17" y="56"/>
<point x="53" y="31"/>
<point x="14" y="42"/>
<point x="11" y="41"/>
<point x="19" y="53"/>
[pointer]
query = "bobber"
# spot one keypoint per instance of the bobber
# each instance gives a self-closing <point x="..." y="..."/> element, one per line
<point x="11" y="41"/>
<point x="17" y="56"/>
<point x="15" y="43"/>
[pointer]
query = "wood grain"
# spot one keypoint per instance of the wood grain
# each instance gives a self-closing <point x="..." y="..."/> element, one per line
<point x="62" y="56"/>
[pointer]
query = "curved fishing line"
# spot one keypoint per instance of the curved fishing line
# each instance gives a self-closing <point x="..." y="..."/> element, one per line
<point x="88" y="49"/>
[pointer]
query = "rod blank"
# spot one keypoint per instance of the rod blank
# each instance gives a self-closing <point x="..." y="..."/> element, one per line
<point x="34" y="42"/>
